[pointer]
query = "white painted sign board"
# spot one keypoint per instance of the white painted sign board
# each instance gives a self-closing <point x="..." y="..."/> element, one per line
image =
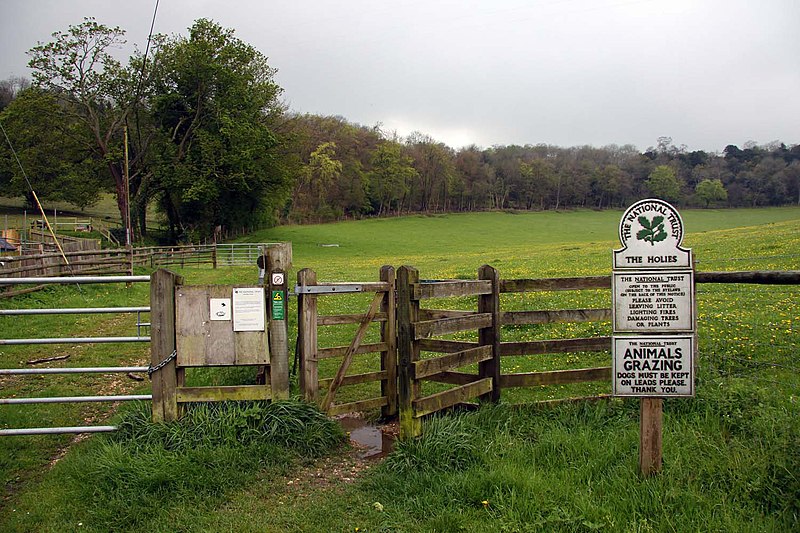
<point x="651" y="233"/>
<point x="659" y="366"/>
<point x="249" y="309"/>
<point x="653" y="301"/>
<point x="219" y="308"/>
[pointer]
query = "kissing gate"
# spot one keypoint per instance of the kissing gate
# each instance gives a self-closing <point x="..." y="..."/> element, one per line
<point x="418" y="370"/>
<point x="218" y="326"/>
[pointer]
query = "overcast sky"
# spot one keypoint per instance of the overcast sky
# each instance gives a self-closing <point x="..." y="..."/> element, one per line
<point x="565" y="72"/>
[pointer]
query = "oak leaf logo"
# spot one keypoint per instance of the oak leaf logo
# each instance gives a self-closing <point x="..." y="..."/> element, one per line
<point x="653" y="231"/>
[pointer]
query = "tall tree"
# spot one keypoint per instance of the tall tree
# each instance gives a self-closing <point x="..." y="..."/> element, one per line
<point x="390" y="177"/>
<point x="710" y="191"/>
<point x="663" y="183"/>
<point x="219" y="163"/>
<point x="473" y="170"/>
<point x="434" y="164"/>
<point x="317" y="178"/>
<point x="51" y="150"/>
<point x="93" y="89"/>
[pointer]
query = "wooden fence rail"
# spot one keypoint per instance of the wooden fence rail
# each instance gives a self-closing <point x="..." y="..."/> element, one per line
<point x="117" y="261"/>
<point x="84" y="256"/>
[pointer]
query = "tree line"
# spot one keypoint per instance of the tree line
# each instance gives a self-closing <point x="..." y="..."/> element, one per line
<point x="354" y="171"/>
<point x="194" y="125"/>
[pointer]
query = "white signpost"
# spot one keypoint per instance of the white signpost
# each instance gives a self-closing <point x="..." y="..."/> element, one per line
<point x="653" y="301"/>
<point x="651" y="232"/>
<point x="653" y="366"/>
<point x="654" y="307"/>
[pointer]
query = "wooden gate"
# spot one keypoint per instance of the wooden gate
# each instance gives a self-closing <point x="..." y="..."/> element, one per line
<point x="184" y="335"/>
<point x="416" y="330"/>
<point x="381" y="310"/>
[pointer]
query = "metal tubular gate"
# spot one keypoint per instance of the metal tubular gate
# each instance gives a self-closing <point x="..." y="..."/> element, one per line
<point x="73" y="340"/>
<point x="235" y="254"/>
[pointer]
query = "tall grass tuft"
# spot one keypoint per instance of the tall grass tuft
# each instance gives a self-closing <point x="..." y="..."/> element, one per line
<point x="296" y="426"/>
<point x="447" y="444"/>
<point x="573" y="468"/>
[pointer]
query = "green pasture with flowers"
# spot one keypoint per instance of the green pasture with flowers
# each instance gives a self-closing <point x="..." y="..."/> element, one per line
<point x="731" y="457"/>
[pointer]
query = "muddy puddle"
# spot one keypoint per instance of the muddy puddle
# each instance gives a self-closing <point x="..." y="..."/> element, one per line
<point x="373" y="441"/>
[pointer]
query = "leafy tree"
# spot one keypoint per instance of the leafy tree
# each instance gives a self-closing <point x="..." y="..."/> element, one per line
<point x="792" y="179"/>
<point x="539" y="181"/>
<point x="391" y="175"/>
<point x="663" y="183"/>
<point x="612" y="186"/>
<point x="219" y="163"/>
<point x="51" y="149"/>
<point x="355" y="144"/>
<point x="766" y="181"/>
<point x="710" y="191"/>
<point x="93" y="89"/>
<point x="316" y="179"/>
<point x="473" y="171"/>
<point x="435" y="167"/>
<point x="9" y="88"/>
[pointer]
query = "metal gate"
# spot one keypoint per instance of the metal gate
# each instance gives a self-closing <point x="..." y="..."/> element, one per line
<point x="139" y="337"/>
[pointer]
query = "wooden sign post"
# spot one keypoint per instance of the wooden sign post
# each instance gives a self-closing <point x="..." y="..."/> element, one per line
<point x="278" y="263"/>
<point x="654" y="311"/>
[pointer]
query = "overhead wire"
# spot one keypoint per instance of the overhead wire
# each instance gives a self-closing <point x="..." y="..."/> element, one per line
<point x="136" y="98"/>
<point x="141" y="73"/>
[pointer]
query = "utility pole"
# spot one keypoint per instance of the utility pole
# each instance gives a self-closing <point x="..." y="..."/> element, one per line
<point x="128" y="232"/>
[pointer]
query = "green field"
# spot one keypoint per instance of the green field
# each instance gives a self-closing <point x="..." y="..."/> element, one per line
<point x="731" y="460"/>
<point x="541" y="244"/>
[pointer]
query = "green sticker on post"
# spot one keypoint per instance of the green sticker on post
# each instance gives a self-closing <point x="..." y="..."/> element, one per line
<point x="278" y="305"/>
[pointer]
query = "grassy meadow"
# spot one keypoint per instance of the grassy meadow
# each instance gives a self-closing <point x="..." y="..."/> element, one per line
<point x="731" y="454"/>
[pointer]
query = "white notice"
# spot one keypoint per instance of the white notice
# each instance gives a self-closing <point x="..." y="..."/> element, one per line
<point x="249" y="309"/>
<point x="656" y="367"/>
<point x="654" y="301"/>
<point x="219" y="308"/>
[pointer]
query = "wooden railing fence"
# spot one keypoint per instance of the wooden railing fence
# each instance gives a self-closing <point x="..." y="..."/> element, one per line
<point x="84" y="257"/>
<point x="419" y="330"/>
<point x="416" y="329"/>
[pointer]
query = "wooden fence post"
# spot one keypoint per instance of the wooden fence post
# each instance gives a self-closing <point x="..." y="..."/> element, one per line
<point x="389" y="337"/>
<point x="650" y="435"/>
<point x="407" y="351"/>
<point x="162" y="344"/>
<point x="307" y="337"/>
<point x="278" y="329"/>
<point x="490" y="303"/>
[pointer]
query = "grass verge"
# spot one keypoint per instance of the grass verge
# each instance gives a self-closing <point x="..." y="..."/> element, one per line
<point x="158" y="477"/>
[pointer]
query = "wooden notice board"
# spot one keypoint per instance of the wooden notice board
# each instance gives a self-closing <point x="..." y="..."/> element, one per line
<point x="201" y="341"/>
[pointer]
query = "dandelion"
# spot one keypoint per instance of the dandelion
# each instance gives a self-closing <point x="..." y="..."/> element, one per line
<point x="485" y="504"/>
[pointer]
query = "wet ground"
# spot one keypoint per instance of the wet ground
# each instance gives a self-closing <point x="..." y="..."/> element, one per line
<point x="373" y="440"/>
